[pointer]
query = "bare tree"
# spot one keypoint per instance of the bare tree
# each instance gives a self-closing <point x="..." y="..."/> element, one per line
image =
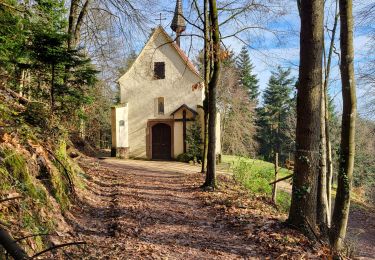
<point x="207" y="72"/>
<point x="366" y="18"/>
<point x="210" y="182"/>
<point x="347" y="146"/>
<point x="326" y="164"/>
<point x="236" y="112"/>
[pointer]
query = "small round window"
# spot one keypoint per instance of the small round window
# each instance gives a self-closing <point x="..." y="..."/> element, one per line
<point x="122" y="123"/>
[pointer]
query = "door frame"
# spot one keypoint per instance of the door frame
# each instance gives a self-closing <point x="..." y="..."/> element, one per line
<point x="150" y="124"/>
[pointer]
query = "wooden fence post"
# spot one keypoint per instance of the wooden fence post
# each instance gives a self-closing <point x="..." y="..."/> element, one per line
<point x="274" y="190"/>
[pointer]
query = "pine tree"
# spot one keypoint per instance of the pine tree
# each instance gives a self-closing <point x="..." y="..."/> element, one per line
<point x="273" y="124"/>
<point x="248" y="80"/>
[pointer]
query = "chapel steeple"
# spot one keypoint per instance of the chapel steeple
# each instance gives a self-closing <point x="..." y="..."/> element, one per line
<point x="178" y="22"/>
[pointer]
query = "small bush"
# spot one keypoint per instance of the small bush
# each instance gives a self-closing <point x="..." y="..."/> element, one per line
<point x="194" y="141"/>
<point x="184" y="157"/>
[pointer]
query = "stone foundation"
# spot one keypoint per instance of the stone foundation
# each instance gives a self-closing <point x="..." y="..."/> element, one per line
<point x="122" y="153"/>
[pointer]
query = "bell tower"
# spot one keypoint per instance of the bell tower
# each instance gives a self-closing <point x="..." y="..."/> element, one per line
<point x="178" y="23"/>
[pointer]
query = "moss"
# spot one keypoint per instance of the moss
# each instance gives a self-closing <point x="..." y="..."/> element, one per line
<point x="34" y="225"/>
<point x="5" y="179"/>
<point x="60" y="189"/>
<point x="16" y="167"/>
<point x="65" y="166"/>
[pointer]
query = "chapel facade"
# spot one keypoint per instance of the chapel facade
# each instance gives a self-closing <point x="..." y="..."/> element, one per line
<point x="161" y="95"/>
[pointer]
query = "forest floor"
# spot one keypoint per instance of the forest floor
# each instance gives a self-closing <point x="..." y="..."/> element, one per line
<point x="140" y="210"/>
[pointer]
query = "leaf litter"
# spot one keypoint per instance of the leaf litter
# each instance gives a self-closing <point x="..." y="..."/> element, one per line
<point x="134" y="212"/>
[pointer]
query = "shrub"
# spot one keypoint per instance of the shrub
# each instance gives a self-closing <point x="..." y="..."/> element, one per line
<point x="37" y="114"/>
<point x="255" y="176"/>
<point x="194" y="141"/>
<point x="184" y="157"/>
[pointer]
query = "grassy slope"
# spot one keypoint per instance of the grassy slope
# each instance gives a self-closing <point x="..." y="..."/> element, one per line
<point x="257" y="165"/>
<point x="256" y="175"/>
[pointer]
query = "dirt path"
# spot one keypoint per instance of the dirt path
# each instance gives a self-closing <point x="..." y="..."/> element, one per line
<point x="133" y="211"/>
<point x="361" y="232"/>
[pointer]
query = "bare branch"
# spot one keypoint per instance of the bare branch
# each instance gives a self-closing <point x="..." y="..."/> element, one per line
<point x="58" y="246"/>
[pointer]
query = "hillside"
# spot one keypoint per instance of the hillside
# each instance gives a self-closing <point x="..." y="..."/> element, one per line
<point x="38" y="178"/>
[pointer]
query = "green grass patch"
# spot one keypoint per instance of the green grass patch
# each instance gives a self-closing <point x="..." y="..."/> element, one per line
<point x="255" y="175"/>
<point x="257" y="165"/>
<point x="283" y="200"/>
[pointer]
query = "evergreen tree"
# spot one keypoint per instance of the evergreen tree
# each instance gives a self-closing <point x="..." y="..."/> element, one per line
<point x="275" y="129"/>
<point x="35" y="60"/>
<point x="248" y="80"/>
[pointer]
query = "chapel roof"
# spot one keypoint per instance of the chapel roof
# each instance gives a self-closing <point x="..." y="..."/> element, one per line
<point x="184" y="106"/>
<point x="182" y="54"/>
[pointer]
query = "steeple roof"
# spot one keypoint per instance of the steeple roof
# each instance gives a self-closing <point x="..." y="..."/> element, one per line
<point x="178" y="23"/>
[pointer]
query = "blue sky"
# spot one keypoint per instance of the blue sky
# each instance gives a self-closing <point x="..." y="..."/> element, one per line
<point x="277" y="43"/>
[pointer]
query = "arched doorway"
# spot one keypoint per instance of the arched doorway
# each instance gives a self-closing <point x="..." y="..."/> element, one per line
<point x="161" y="142"/>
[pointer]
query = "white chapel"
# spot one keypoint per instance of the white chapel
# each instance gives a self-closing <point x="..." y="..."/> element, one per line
<point x="160" y="96"/>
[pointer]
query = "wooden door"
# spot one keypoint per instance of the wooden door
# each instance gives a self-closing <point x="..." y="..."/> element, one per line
<point x="161" y="142"/>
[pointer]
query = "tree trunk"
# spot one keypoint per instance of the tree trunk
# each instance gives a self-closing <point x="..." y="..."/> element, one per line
<point x="73" y="16"/>
<point x="53" y="88"/>
<point x="329" y="163"/>
<point x="322" y="206"/>
<point x="12" y="248"/>
<point x="207" y="66"/>
<point x="76" y="17"/>
<point x="306" y="171"/>
<point x="347" y="146"/>
<point x="211" y="156"/>
<point x="81" y="16"/>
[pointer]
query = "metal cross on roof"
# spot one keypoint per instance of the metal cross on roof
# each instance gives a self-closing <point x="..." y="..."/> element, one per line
<point x="160" y="19"/>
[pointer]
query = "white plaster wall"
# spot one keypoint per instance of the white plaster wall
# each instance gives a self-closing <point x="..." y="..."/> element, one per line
<point x="139" y="90"/>
<point x="178" y="139"/>
<point x="120" y="133"/>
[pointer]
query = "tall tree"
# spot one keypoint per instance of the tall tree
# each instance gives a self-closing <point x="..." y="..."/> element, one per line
<point x="236" y="112"/>
<point x="347" y="146"/>
<point x="77" y="14"/>
<point x="273" y="124"/>
<point x="207" y="73"/>
<point x="326" y="163"/>
<point x="302" y="212"/>
<point x="210" y="182"/>
<point x="248" y="80"/>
